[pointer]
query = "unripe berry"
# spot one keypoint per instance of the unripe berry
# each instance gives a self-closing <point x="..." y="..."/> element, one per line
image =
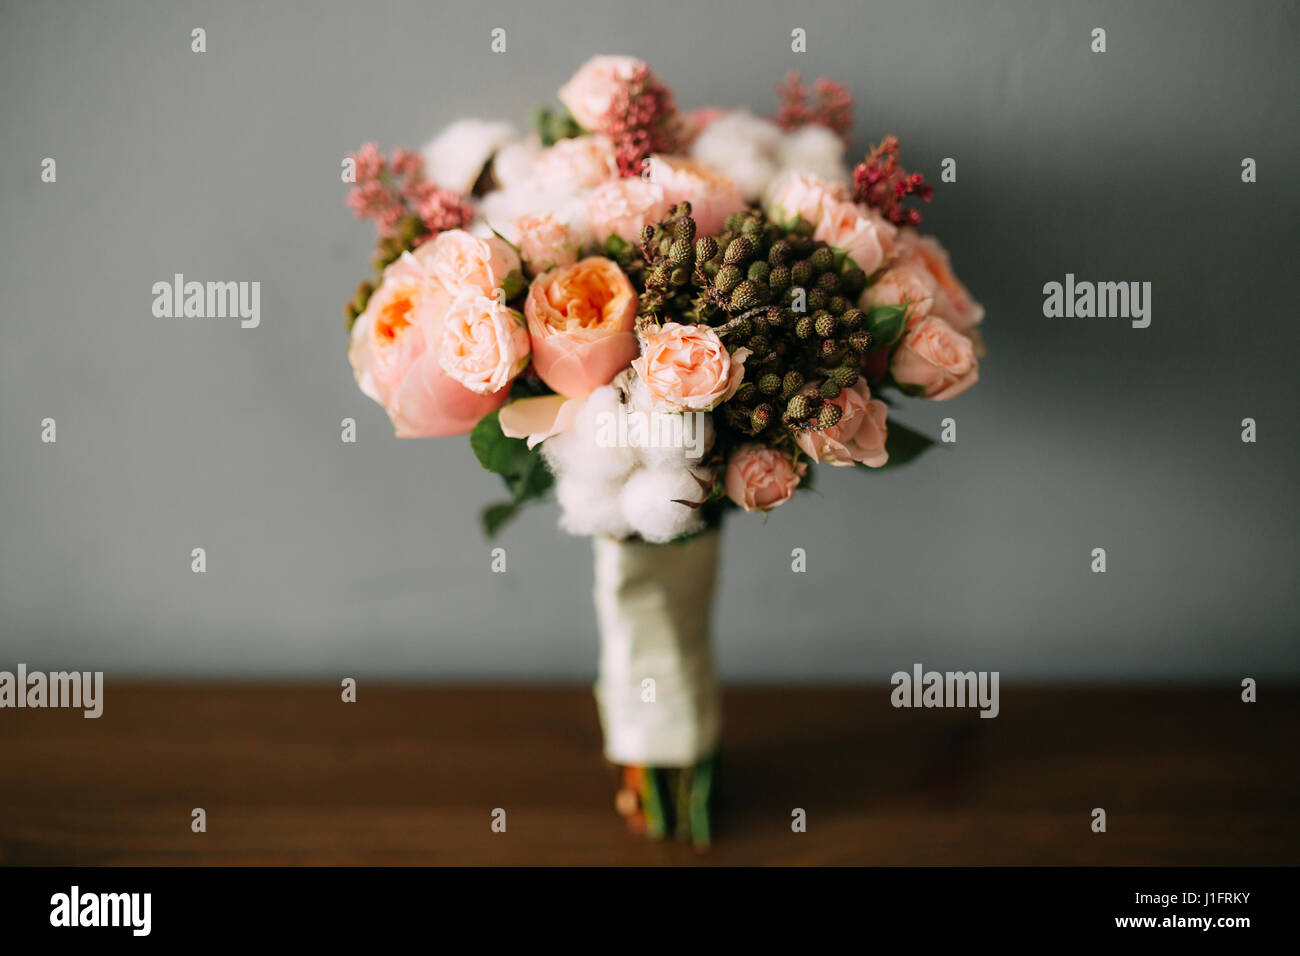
<point x="740" y="250"/>
<point x="828" y="416"/>
<point x="822" y="259"/>
<point x="844" y="376"/>
<point x="728" y="277"/>
<point x="855" y="280"/>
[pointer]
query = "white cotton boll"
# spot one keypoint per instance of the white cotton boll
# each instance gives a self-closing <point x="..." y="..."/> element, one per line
<point x="676" y="439"/>
<point x="589" y="449"/>
<point x="742" y="147"/>
<point x="514" y="161"/>
<point x="591" y="507"/>
<point x="648" y="505"/>
<point x="815" y="150"/>
<point x="665" y="439"/>
<point x="455" y="157"/>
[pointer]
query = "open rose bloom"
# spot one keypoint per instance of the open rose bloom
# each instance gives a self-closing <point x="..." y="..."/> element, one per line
<point x="659" y="318"/>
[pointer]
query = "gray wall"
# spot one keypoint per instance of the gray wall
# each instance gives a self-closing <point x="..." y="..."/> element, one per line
<point x="326" y="558"/>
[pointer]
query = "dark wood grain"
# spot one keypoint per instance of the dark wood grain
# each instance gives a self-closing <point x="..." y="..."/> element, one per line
<point x="411" y="774"/>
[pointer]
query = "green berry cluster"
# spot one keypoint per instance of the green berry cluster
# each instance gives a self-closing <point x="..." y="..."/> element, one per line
<point x="786" y="298"/>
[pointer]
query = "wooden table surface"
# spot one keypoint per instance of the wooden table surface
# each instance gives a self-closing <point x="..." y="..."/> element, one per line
<point x="410" y="774"/>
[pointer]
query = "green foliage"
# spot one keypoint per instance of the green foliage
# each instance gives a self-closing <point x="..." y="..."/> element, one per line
<point x="887" y="324"/>
<point x="524" y="472"/>
<point x="555" y="125"/>
<point x="904" y="444"/>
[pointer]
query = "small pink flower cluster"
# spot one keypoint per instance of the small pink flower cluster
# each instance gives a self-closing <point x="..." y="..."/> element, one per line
<point x="622" y="98"/>
<point x="882" y="183"/>
<point x="392" y="191"/>
<point x="831" y="106"/>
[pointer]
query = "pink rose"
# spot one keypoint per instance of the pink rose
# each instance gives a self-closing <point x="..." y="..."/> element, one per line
<point x="590" y="92"/>
<point x="795" y="195"/>
<point x="546" y="243"/>
<point x="865" y="238"/>
<point x="950" y="299"/>
<point x="759" y="478"/>
<point x="459" y="260"/>
<point x="900" y="285"/>
<point x="686" y="368"/>
<point x="484" y="343"/>
<point x="621" y="207"/>
<point x="580" y="318"/>
<point x="580" y="162"/>
<point x="394" y="353"/>
<point x="712" y="197"/>
<point x="859" y="435"/>
<point x="935" y="359"/>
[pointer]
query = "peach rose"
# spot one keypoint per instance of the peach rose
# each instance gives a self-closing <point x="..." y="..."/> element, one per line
<point x="712" y="197"/>
<point x="935" y="359"/>
<point x="484" y="343"/>
<point x="686" y="368"/>
<point x="590" y="92"/>
<point x="950" y="299"/>
<point x="900" y="285"/>
<point x="865" y="238"/>
<point x="759" y="478"/>
<point x="795" y="195"/>
<point x="546" y="243"/>
<point x="580" y="318"/>
<point x="459" y="260"/>
<point x="580" y="162"/>
<point x="621" y="207"/>
<point x="859" y="435"/>
<point x="394" y="353"/>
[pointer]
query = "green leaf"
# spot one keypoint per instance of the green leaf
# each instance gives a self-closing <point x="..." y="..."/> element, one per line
<point x="528" y="476"/>
<point x="522" y="469"/>
<point x="887" y="324"/>
<point x="491" y="446"/>
<point x="904" y="444"/>
<point x="494" y="517"/>
<point x="514" y="284"/>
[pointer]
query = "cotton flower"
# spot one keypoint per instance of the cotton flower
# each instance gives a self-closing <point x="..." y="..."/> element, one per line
<point x="584" y="451"/>
<point x="591" y="507"/>
<point x="455" y="157"/>
<point x="744" y="147"/>
<point x="650" y="510"/>
<point x="814" y="150"/>
<point x="514" y="162"/>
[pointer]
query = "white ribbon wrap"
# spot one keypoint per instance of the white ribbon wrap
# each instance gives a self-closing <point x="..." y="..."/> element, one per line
<point x="653" y="605"/>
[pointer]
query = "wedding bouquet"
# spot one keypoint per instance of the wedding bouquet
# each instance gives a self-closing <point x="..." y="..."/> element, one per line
<point x="664" y="317"/>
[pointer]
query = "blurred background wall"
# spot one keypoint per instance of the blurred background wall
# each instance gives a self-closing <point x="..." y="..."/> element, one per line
<point x="327" y="558"/>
